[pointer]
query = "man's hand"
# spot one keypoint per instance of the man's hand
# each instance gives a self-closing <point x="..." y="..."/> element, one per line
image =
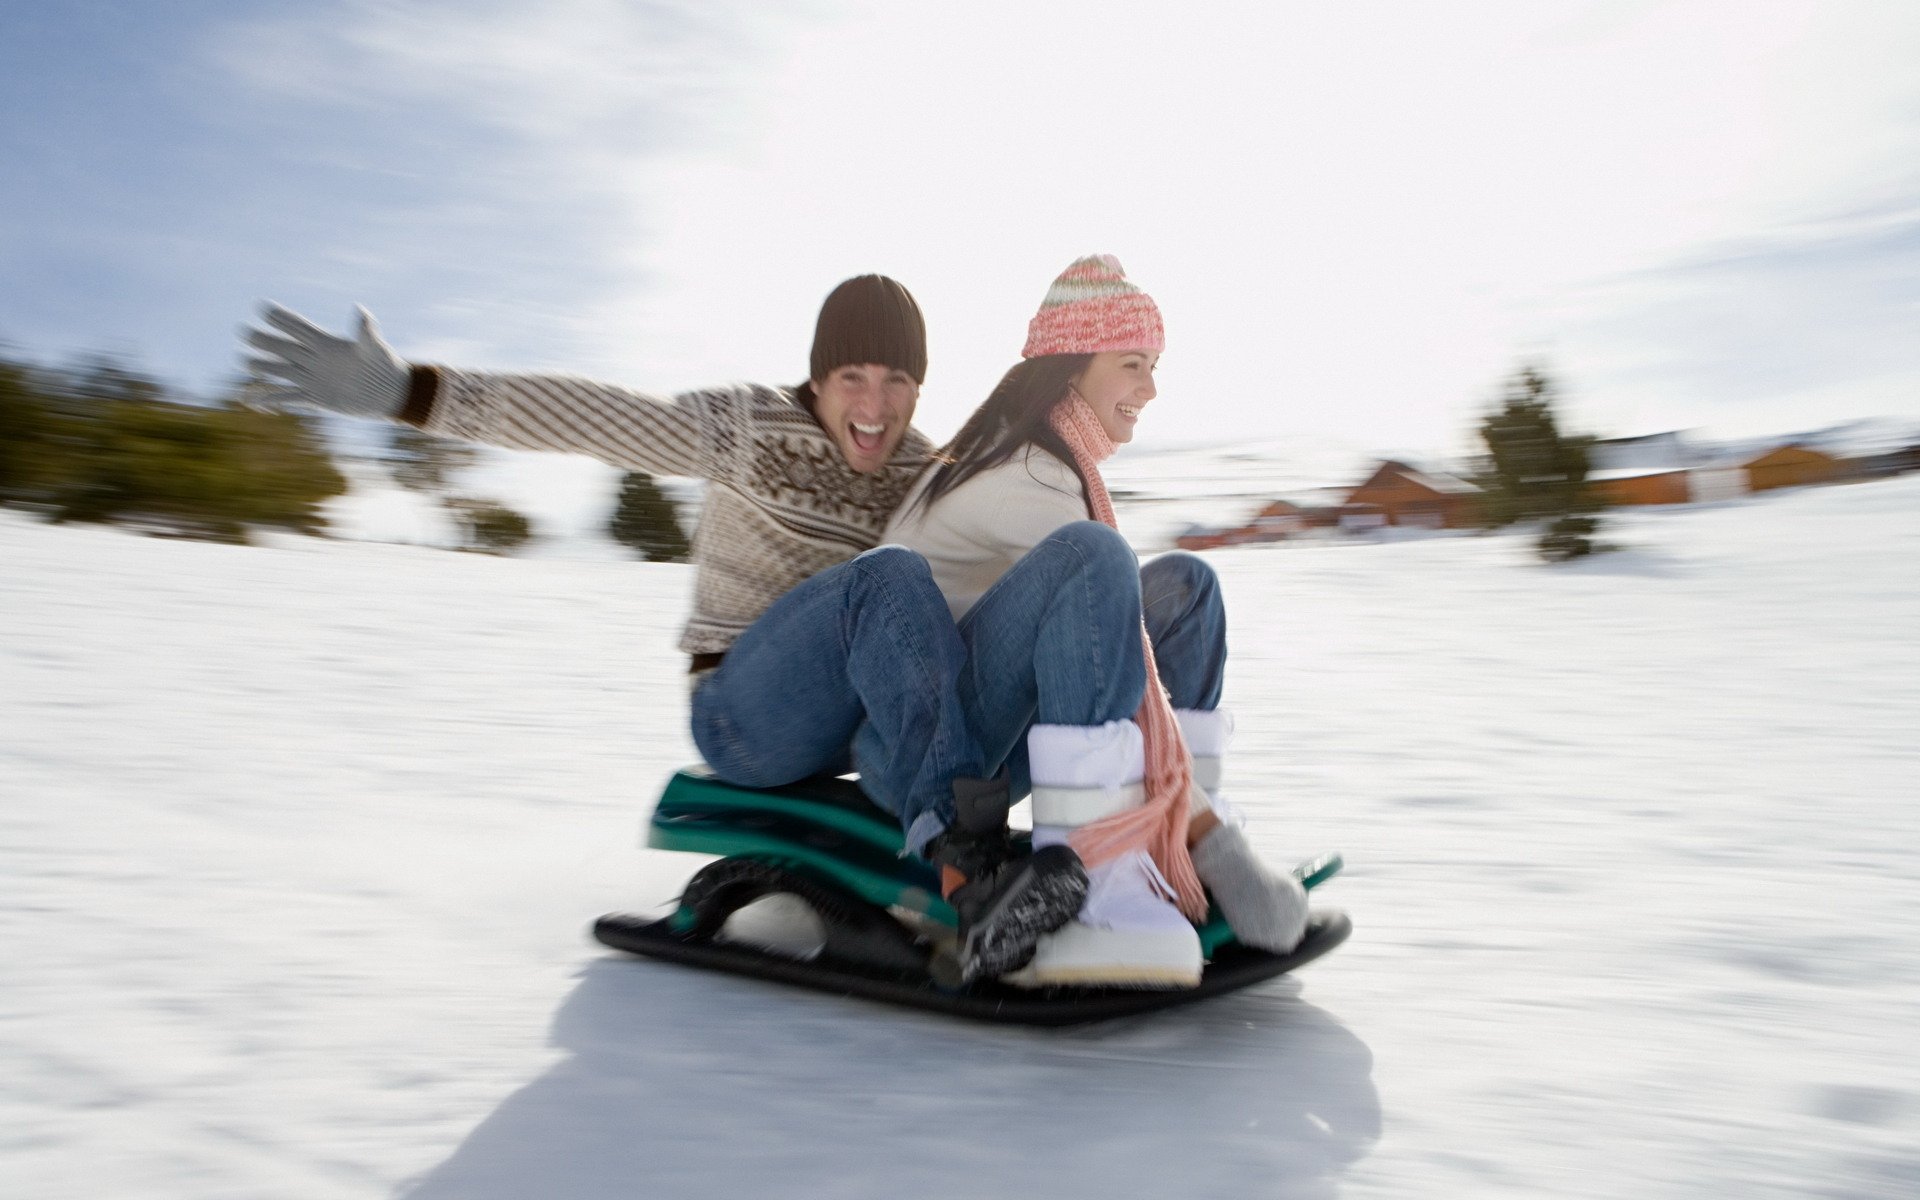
<point x="301" y="364"/>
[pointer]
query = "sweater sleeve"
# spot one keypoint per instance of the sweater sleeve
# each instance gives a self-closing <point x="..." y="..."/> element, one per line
<point x="692" y="434"/>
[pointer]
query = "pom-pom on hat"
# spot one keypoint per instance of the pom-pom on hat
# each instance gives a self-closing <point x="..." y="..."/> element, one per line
<point x="1092" y="307"/>
<point x="870" y="319"/>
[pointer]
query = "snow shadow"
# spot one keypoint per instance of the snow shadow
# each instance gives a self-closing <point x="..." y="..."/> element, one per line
<point x="1627" y="561"/>
<point x="683" y="1083"/>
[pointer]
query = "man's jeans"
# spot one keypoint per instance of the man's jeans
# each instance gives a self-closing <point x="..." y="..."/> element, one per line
<point x="865" y="655"/>
<point x="857" y="667"/>
<point x="1056" y="640"/>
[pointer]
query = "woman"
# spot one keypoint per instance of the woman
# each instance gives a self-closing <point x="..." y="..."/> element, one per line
<point x="1063" y="629"/>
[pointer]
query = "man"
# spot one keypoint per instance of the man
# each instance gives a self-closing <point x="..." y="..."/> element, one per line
<point x="810" y="651"/>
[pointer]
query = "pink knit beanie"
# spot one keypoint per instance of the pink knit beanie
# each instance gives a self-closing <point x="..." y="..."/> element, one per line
<point x="1091" y="307"/>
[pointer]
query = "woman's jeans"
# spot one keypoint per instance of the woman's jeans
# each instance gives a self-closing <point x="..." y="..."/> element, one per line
<point x="865" y="657"/>
<point x="1056" y="640"/>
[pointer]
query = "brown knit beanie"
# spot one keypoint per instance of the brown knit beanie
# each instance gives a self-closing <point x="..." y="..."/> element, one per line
<point x="870" y="319"/>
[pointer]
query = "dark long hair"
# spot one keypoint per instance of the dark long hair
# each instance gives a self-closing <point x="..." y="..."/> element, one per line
<point x="1013" y="417"/>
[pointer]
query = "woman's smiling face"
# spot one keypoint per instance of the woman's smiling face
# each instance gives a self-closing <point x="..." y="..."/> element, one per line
<point x="1116" y="385"/>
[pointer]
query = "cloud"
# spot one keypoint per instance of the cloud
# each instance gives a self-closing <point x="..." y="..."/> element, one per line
<point x="470" y="165"/>
<point x="1350" y="223"/>
<point x="1826" y="312"/>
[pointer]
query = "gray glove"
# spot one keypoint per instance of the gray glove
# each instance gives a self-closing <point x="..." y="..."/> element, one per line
<point x="310" y="367"/>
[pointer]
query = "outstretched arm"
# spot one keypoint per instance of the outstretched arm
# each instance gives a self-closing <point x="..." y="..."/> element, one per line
<point x="302" y="364"/>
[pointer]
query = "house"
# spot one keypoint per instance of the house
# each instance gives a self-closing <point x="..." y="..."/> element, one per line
<point x="1655" y="468"/>
<point x="1871" y="448"/>
<point x="1791" y="465"/>
<point x="1649" y="452"/>
<point x="1401" y="494"/>
<point x="1203" y="537"/>
<point x="1280" y="519"/>
<point x="1275" y="521"/>
<point x="1663" y="468"/>
<point x="1879" y="464"/>
<point x="1896" y="462"/>
<point x="1719" y="480"/>
<point x="1642" y="485"/>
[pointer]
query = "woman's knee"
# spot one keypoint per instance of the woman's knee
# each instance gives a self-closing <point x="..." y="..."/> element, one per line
<point x="1179" y="576"/>
<point x="903" y="578"/>
<point x="893" y="562"/>
<point x="1100" y="546"/>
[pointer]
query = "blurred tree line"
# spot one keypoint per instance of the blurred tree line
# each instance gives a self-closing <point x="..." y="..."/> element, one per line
<point x="103" y="443"/>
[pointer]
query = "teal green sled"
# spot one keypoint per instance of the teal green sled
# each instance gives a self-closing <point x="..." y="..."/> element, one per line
<point x="827" y="829"/>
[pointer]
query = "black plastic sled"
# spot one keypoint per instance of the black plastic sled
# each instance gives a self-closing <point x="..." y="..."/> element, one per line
<point x="884" y="926"/>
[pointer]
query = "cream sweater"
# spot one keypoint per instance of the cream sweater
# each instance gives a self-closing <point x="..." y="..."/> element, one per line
<point x="972" y="535"/>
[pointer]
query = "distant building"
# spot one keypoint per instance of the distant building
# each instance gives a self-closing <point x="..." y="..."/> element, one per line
<point x="1871" y="448"/>
<point x="1665" y="469"/>
<point x="1878" y="464"/>
<point x="1399" y="494"/>
<point x="1655" y="468"/>
<point x="1202" y="537"/>
<point x="1278" y="520"/>
<point x="1275" y="521"/>
<point x="1642" y="485"/>
<point x="1712" y="482"/>
<point x="1648" y="453"/>
<point x="1791" y="465"/>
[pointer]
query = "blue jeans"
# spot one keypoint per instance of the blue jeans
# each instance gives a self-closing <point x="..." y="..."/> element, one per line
<point x="857" y="667"/>
<point x="1056" y="640"/>
<point x="1187" y="621"/>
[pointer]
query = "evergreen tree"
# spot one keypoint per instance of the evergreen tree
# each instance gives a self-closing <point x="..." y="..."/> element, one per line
<point x="489" y="527"/>
<point x="647" y="521"/>
<point x="424" y="462"/>
<point x="1535" y="473"/>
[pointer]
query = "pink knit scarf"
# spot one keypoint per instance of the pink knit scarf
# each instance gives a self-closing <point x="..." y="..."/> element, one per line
<point x="1160" y="825"/>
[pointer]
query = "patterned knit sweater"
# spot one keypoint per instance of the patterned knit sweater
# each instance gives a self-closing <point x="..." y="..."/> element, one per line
<point x="781" y="503"/>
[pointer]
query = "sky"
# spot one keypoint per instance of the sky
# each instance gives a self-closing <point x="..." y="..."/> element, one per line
<point x="1357" y="218"/>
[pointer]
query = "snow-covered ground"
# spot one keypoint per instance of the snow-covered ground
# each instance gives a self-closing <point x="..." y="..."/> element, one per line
<point x="298" y="847"/>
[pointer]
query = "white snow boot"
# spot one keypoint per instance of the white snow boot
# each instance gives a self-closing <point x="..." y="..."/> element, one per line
<point x="1129" y="933"/>
<point x="1267" y="910"/>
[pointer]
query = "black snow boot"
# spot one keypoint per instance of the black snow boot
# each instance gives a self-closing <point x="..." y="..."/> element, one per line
<point x="1005" y="902"/>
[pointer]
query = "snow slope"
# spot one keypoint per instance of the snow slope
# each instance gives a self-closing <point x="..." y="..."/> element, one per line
<point x="298" y="846"/>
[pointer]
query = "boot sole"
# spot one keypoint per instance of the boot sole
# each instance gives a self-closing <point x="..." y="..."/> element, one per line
<point x="1143" y="978"/>
<point x="1049" y="889"/>
<point x="1084" y="956"/>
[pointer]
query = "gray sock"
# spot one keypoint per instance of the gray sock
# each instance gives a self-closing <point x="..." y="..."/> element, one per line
<point x="1268" y="911"/>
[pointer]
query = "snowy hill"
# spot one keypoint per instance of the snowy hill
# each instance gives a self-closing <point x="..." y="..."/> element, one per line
<point x="299" y="845"/>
